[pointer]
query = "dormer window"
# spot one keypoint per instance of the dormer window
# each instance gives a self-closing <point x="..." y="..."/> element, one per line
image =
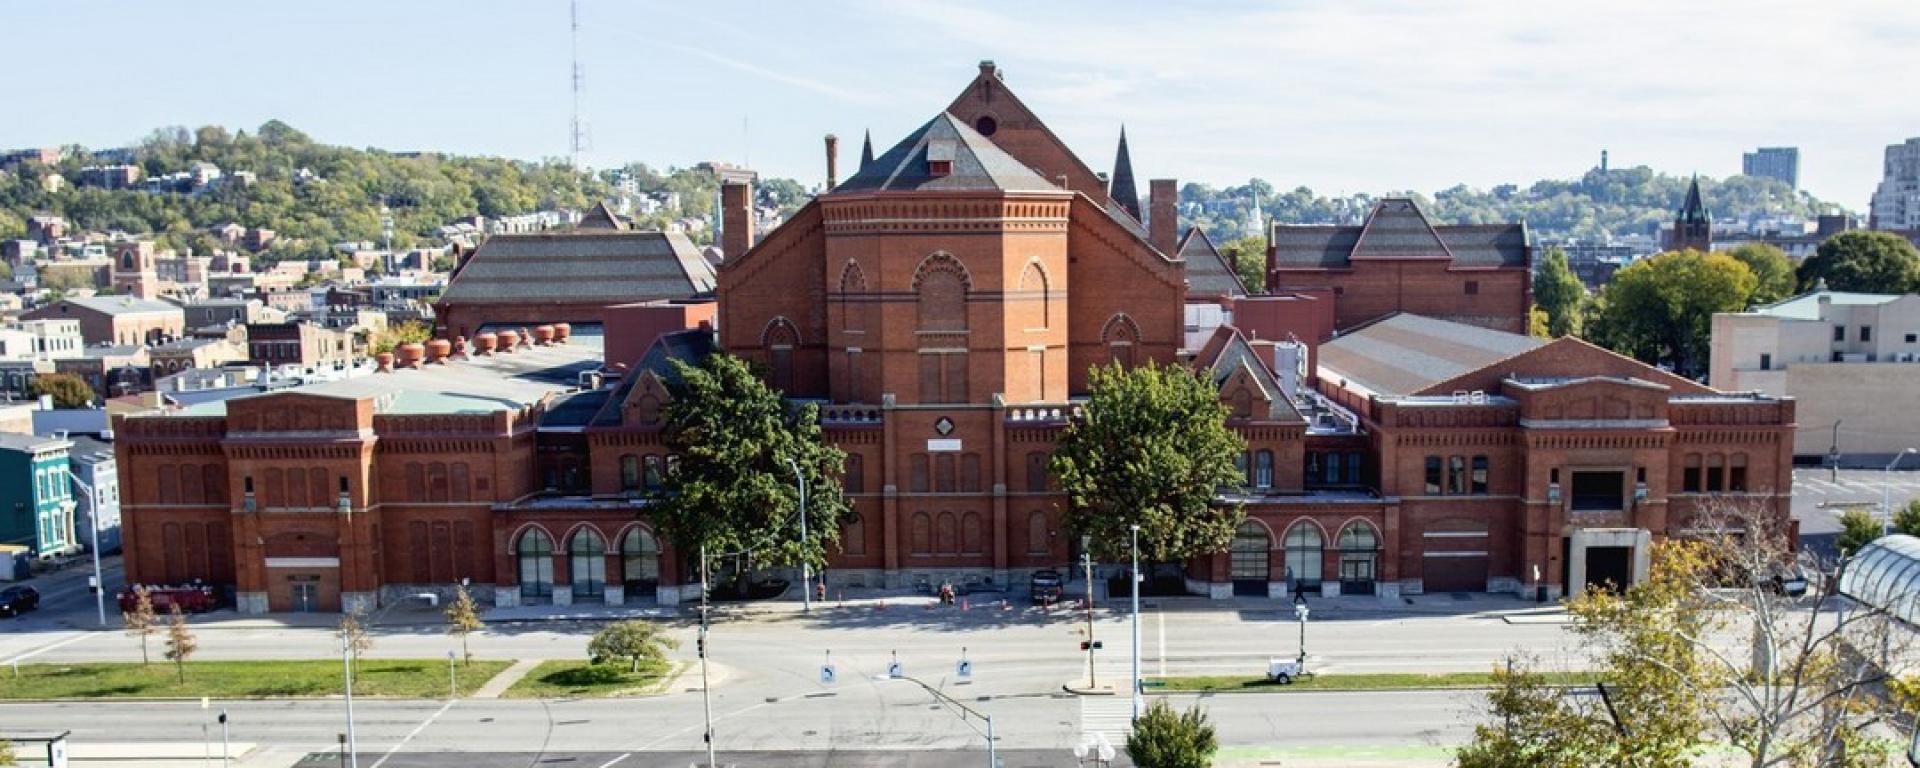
<point x="939" y="168"/>
<point x="940" y="159"/>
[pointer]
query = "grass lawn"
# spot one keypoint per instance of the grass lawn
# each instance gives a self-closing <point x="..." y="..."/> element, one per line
<point x="1339" y="682"/>
<point x="407" y="678"/>
<point x="567" y="679"/>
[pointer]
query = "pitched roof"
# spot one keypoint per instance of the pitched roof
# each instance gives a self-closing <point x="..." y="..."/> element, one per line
<point x="976" y="163"/>
<point x="1208" y="273"/>
<point x="120" y="305"/>
<point x="1693" y="209"/>
<point x="1403" y="354"/>
<point x="689" y="346"/>
<point x="1397" y="229"/>
<point x="1227" y="352"/>
<point x="1121" y="188"/>
<point x="582" y="265"/>
<point x="866" y="151"/>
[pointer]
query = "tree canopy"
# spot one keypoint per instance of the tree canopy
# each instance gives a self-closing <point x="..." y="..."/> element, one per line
<point x="1660" y="309"/>
<point x="1248" y="258"/>
<point x="1152" y="449"/>
<point x="1771" y="268"/>
<point x="1863" y="261"/>
<point x="632" y="642"/>
<point x="68" y="390"/>
<point x="1559" y="292"/>
<point x="733" y="490"/>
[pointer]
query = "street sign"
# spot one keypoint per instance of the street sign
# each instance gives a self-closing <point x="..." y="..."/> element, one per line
<point x="895" y="670"/>
<point x="827" y="674"/>
<point x="963" y="670"/>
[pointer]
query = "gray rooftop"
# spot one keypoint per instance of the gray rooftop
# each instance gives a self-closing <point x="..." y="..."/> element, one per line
<point x="121" y="305"/>
<point x="1403" y="353"/>
<point x="1806" y="306"/>
<point x="976" y="163"/>
<point x="1208" y="273"/>
<point x="582" y="265"/>
<point x="1397" y="229"/>
<point x="30" y="443"/>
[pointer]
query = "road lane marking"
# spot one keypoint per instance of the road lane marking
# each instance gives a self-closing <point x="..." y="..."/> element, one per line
<point x="415" y="732"/>
<point x="610" y="763"/>
<point x="77" y="637"/>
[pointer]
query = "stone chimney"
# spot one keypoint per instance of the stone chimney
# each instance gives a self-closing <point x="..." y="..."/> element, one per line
<point x="833" y="161"/>
<point x="1163" y="211"/>
<point x="736" y="218"/>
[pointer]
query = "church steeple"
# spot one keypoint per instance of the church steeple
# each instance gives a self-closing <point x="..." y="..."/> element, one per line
<point x="1692" y="225"/>
<point x="1121" y="188"/>
<point x="866" y="151"/>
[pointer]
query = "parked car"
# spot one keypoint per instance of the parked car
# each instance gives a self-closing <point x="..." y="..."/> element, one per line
<point x="1047" y="587"/>
<point x="192" y="598"/>
<point x="1790" y="581"/>
<point x="18" y="599"/>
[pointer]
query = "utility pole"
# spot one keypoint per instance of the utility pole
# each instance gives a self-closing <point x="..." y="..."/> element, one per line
<point x="579" y="138"/>
<point x="806" y="566"/>
<point x="706" y="695"/>
<point x="346" y="662"/>
<point x="1086" y="562"/>
<point x="1135" y="592"/>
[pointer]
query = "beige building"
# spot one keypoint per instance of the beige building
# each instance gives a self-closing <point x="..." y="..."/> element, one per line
<point x="1851" y="359"/>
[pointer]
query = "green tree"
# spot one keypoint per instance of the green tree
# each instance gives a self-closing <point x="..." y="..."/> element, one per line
<point x="734" y="491"/>
<point x="1558" y="291"/>
<point x="180" y="641"/>
<point x="1863" y="261"/>
<point x="1165" y="738"/>
<point x="1153" y="449"/>
<point x="1248" y="258"/>
<point x="1770" y="267"/>
<point x="463" y="619"/>
<point x="6" y="753"/>
<point x="1858" y="528"/>
<point x="1528" y="724"/>
<point x="1907" y="519"/>
<point x="389" y="339"/>
<point x="1660" y="309"/>
<point x="141" y="621"/>
<point x="632" y="641"/>
<point x="1537" y="324"/>
<point x="68" y="390"/>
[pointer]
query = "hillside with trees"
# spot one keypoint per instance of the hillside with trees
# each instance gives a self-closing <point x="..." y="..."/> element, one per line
<point x="313" y="194"/>
<point x="1617" y="202"/>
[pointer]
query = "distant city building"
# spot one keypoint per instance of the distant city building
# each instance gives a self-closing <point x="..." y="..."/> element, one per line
<point x="1797" y="245"/>
<point x="92" y="463"/>
<point x="1692" y="225"/>
<point x="1896" y="204"/>
<point x="1847" y="358"/>
<point x="118" y="319"/>
<point x="1781" y="163"/>
<point x="35" y="508"/>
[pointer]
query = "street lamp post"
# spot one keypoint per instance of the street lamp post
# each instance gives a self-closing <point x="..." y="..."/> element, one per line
<point x="1301" y="610"/>
<point x="346" y="663"/>
<point x="226" y="755"/>
<point x="93" y="520"/>
<point x="1886" y="491"/>
<point x="1086" y="561"/>
<point x="1134" y="540"/>
<point x="993" y="757"/>
<point x="806" y="566"/>
<point x="706" y="697"/>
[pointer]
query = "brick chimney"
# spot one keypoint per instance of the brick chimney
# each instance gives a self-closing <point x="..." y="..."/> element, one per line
<point x="736" y="218"/>
<point x="1163" y="214"/>
<point x="833" y="161"/>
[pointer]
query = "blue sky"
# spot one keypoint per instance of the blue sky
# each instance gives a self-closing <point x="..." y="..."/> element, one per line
<point x="1339" y="96"/>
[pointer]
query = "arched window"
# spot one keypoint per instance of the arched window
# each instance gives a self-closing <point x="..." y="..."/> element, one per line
<point x="853" y="282"/>
<point x="535" y="552"/>
<point x="1038" y="542"/>
<point x="1248" y="559"/>
<point x="780" y="340"/>
<point x="1033" y="286"/>
<point x="629" y="473"/>
<point x="971" y="540"/>
<point x="1121" y="336"/>
<point x="946" y="534"/>
<point x="941" y="285"/>
<point x="853" y="536"/>
<point x="639" y="562"/>
<point x="1359" y="557"/>
<point x="1304" y="546"/>
<point x="920" y="534"/>
<point x="587" y="556"/>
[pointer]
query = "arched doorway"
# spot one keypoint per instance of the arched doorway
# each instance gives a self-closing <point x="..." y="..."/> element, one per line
<point x="639" y="563"/>
<point x="1305" y="546"/>
<point x="1359" y="557"/>
<point x="1249" y="559"/>
<point x="587" y="564"/>
<point x="535" y="551"/>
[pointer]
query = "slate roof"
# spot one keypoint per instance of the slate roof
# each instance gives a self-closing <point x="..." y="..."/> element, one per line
<point x="1397" y="229"/>
<point x="689" y="346"/>
<point x="582" y="265"/>
<point x="1227" y="352"/>
<point x="977" y="163"/>
<point x="1208" y="273"/>
<point x="1121" y="188"/>
<point x="1403" y="354"/>
<point x="120" y="305"/>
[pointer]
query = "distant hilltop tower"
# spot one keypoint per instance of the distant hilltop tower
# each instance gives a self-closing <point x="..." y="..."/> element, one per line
<point x="1603" y="161"/>
<point x="1256" y="220"/>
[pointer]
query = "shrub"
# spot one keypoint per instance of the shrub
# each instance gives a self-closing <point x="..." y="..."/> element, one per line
<point x="1163" y="738"/>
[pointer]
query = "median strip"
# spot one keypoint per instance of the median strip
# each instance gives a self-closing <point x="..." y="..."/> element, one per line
<point x="1342" y="682"/>
<point x="400" y="678"/>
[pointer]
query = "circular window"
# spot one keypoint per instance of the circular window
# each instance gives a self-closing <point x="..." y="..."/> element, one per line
<point x="986" y="125"/>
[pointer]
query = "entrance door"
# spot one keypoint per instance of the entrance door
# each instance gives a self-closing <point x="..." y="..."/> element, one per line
<point x="1250" y="560"/>
<point x="1609" y="568"/>
<point x="306" y="596"/>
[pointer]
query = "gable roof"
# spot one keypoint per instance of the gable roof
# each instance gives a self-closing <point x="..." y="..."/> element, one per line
<point x="1121" y="187"/>
<point x="576" y="265"/>
<point x="1404" y="354"/>
<point x="689" y="346"/>
<point x="1022" y="133"/>
<point x="1397" y="229"/>
<point x="1567" y="358"/>
<point x="976" y="163"/>
<point x="1227" y="353"/>
<point x="1208" y="273"/>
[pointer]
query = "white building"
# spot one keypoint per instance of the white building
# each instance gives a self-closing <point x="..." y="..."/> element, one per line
<point x="1850" y="360"/>
<point x="1896" y="204"/>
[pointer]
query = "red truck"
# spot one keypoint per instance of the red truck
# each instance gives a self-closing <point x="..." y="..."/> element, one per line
<point x="192" y="598"/>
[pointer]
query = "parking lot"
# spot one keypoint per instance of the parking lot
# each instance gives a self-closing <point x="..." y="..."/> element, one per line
<point x="1819" y="497"/>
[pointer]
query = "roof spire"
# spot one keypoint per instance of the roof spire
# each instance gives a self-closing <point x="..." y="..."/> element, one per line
<point x="866" y="151"/>
<point x="1121" y="187"/>
<point x="1693" y="209"/>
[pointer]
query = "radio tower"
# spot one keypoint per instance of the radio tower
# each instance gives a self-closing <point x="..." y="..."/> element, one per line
<point x="580" y="142"/>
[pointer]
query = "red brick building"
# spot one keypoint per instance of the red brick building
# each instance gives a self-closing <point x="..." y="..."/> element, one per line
<point x="943" y="305"/>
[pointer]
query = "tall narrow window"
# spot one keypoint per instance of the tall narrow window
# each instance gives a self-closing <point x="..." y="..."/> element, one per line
<point x="652" y="476"/>
<point x="1036" y="472"/>
<point x="1263" y="469"/>
<point x="1690" y="474"/>
<point x="1716" y="472"/>
<point x="917" y="473"/>
<point x="855" y="480"/>
<point x="629" y="473"/>
<point x="1433" y="476"/>
<point x="1479" y="476"/>
<point x="1737" y="473"/>
<point x="1456" y="475"/>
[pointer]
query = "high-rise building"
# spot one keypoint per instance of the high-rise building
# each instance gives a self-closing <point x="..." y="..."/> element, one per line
<point x="1781" y="163"/>
<point x="1896" y="204"/>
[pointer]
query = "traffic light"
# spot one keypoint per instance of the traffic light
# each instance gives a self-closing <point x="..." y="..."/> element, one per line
<point x="700" y="645"/>
<point x="1097" y="645"/>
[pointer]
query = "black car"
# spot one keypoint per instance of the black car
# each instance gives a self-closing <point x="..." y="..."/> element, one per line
<point x="1046" y="587"/>
<point x="18" y="599"/>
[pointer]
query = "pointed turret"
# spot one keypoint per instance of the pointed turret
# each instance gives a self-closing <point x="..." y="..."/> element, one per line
<point x="1121" y="188"/>
<point x="866" y="151"/>
<point x="1692" y="209"/>
<point x="1692" y="226"/>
